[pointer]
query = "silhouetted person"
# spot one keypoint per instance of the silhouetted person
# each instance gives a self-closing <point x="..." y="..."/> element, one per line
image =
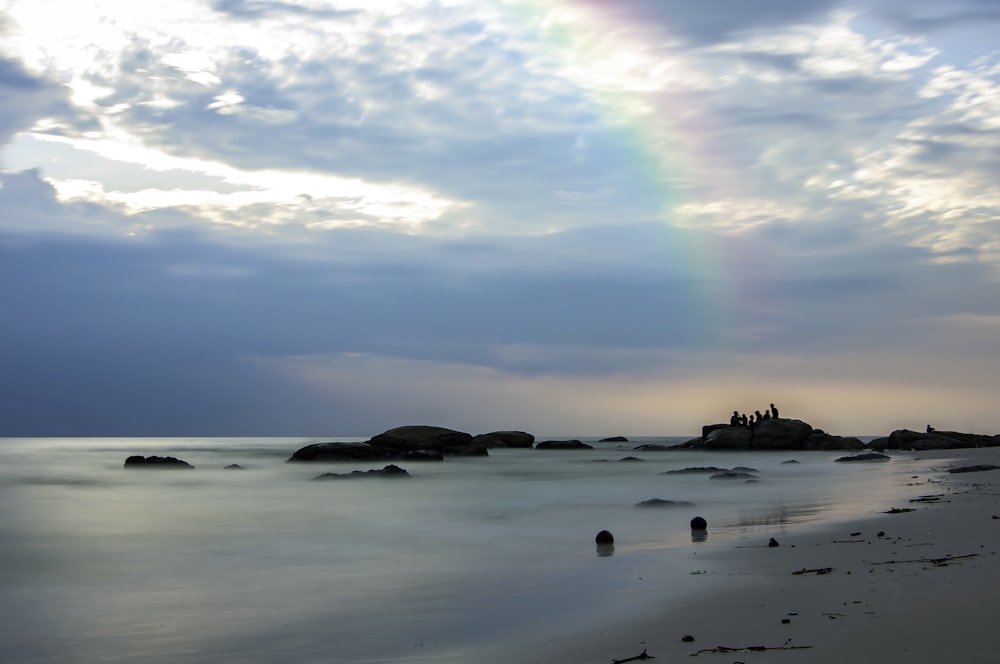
<point x="774" y="411"/>
<point x="930" y="429"/>
<point x="734" y="421"/>
<point x="767" y="415"/>
<point x="758" y="416"/>
<point x="744" y="420"/>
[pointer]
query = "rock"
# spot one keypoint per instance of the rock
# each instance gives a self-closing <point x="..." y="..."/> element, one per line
<point x="695" y="469"/>
<point x="904" y="439"/>
<point x="779" y="433"/>
<point x="436" y="439"/>
<point x="391" y="471"/>
<point x="503" y="439"/>
<point x="867" y="456"/>
<point x="773" y="543"/>
<point x="604" y="537"/>
<point x="614" y="439"/>
<point x="729" y="438"/>
<point x="660" y="502"/>
<point x="139" y="461"/>
<point x="973" y="469"/>
<point x="630" y="458"/>
<point x="423" y="455"/>
<point x="822" y="441"/>
<point x="234" y="466"/>
<point x="563" y="445"/>
<point x="879" y="443"/>
<point x="344" y="452"/>
<point x="652" y="447"/>
<point x="698" y="523"/>
<point x="709" y="428"/>
<point x="730" y="475"/>
<point x="744" y="469"/>
<point x="790" y="461"/>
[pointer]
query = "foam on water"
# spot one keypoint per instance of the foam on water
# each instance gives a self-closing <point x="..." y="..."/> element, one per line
<point x="103" y="564"/>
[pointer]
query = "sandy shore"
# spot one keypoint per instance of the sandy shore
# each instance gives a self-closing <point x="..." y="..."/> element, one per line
<point x="865" y="609"/>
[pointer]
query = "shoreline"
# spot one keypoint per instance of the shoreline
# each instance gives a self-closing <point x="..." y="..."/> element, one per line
<point x="909" y="610"/>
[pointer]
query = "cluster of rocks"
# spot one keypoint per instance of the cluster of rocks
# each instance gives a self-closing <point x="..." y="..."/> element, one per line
<point x="430" y="443"/>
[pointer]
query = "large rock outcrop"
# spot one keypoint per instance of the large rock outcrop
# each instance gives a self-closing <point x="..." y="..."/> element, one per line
<point x="904" y="439"/>
<point x="776" y="433"/>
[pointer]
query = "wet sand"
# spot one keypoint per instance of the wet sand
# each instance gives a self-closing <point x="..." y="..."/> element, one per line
<point x="923" y="592"/>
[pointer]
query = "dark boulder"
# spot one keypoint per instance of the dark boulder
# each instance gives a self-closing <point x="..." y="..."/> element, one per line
<point x="234" y="466"/>
<point x="867" y="456"/>
<point x="139" y="461"/>
<point x="631" y="458"/>
<point x="563" y="445"/>
<point x="661" y="502"/>
<point x="437" y="439"/>
<point x="503" y="439"/>
<point x="614" y="439"/>
<point x="344" y="452"/>
<point x="391" y="471"/>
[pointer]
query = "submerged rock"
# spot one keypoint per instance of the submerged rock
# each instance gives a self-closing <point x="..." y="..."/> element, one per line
<point x="695" y="469"/>
<point x="867" y="456"/>
<point x="661" y="502"/>
<point x="391" y="471"/>
<point x="139" y="461"/>
<point x="730" y="475"/>
<point x="614" y="439"/>
<point x="973" y="469"/>
<point x="652" y="447"/>
<point x="563" y="445"/>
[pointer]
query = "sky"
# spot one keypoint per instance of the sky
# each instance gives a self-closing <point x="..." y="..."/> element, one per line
<point x="587" y="217"/>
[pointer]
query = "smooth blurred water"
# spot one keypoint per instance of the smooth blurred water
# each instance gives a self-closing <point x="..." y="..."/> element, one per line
<point x="104" y="564"/>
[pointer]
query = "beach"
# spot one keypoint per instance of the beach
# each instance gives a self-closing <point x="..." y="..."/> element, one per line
<point x="912" y="586"/>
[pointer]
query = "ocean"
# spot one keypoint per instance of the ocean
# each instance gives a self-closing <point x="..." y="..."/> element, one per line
<point x="99" y="563"/>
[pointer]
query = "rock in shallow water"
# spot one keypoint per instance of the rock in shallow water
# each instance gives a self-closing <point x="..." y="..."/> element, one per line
<point x="139" y="461"/>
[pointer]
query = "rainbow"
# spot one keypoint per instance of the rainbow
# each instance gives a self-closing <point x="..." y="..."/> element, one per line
<point x="637" y="79"/>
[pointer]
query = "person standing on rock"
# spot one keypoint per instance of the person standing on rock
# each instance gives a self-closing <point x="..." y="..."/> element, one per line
<point x="774" y="411"/>
<point x="734" y="421"/>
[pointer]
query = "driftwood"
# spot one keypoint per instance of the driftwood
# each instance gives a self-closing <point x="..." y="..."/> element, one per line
<point x="641" y="655"/>
<point x="936" y="561"/>
<point x="751" y="649"/>
<point x="815" y="570"/>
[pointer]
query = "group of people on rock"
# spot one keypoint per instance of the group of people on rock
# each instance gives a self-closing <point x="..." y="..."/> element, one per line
<point x="743" y="420"/>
